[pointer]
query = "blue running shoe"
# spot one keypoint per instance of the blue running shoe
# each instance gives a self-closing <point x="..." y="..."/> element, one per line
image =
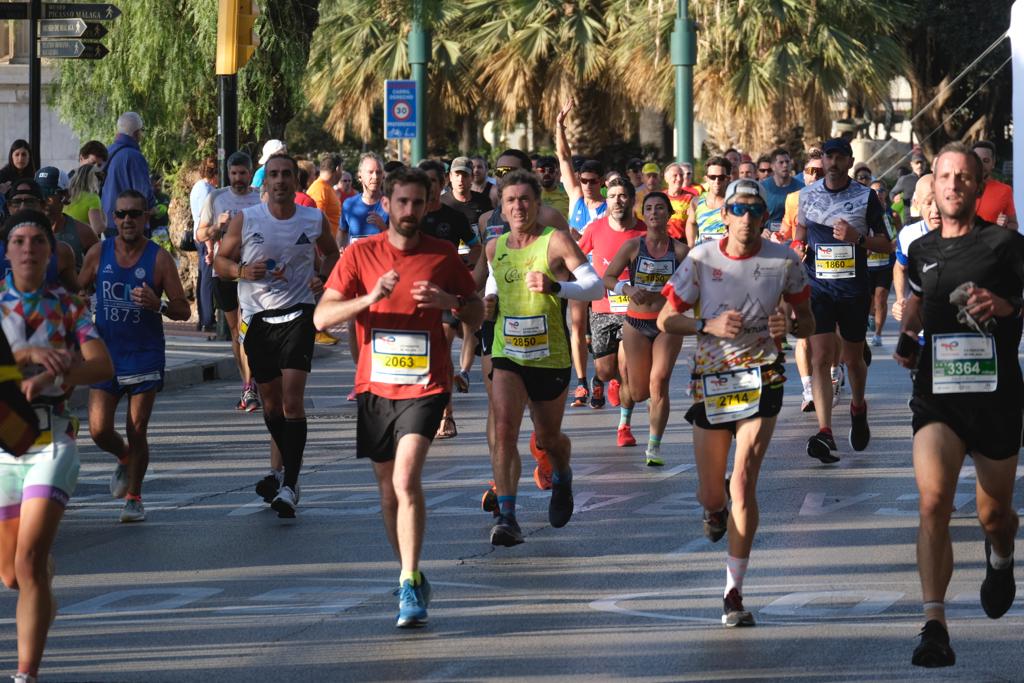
<point x="412" y="604"/>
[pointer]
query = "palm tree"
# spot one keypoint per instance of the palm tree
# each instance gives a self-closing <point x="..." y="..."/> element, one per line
<point x="765" y="66"/>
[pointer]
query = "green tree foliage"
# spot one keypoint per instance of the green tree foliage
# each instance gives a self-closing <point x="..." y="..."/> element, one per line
<point x="943" y="37"/>
<point x="161" y="65"/>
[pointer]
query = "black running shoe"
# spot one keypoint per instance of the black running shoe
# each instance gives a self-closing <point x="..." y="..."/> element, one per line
<point x="933" y="651"/>
<point x="733" y="613"/>
<point x="506" y="532"/>
<point x="716" y="524"/>
<point x="998" y="589"/>
<point x="266" y="488"/>
<point x="820" y="446"/>
<point x="860" y="433"/>
<point x="560" y="507"/>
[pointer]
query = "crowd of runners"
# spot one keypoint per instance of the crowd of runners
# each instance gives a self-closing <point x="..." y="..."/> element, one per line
<point x="550" y="270"/>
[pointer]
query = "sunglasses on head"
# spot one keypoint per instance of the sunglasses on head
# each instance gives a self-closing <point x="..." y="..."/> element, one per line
<point x="502" y="171"/>
<point x="755" y="210"/>
<point x="124" y="213"/>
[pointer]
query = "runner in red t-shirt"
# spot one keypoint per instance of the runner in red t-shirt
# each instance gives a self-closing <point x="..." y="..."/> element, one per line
<point x="603" y="239"/>
<point x="995" y="204"/>
<point x="395" y="285"/>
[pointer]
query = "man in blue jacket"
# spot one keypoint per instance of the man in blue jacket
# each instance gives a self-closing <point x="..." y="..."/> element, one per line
<point x="126" y="168"/>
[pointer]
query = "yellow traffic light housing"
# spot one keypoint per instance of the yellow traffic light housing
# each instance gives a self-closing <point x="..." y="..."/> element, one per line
<point x="236" y="34"/>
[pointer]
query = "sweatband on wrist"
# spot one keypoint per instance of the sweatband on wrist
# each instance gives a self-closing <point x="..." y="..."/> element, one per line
<point x="587" y="286"/>
<point x="620" y="286"/>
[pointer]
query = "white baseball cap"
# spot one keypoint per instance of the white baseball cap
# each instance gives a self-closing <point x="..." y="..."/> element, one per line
<point x="270" y="148"/>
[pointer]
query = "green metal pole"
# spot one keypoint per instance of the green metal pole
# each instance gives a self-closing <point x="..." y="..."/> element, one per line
<point x="684" y="57"/>
<point x="419" y="55"/>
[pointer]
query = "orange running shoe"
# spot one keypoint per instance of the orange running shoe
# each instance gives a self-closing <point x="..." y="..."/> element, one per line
<point x="542" y="472"/>
<point x="489" y="502"/>
<point x="613" y="392"/>
<point x="581" y="397"/>
<point x="625" y="436"/>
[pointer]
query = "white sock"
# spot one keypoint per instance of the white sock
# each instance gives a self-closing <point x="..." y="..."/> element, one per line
<point x="735" y="570"/>
<point x="806" y="383"/>
<point x="835" y="373"/>
<point x="937" y="605"/>
<point x="997" y="561"/>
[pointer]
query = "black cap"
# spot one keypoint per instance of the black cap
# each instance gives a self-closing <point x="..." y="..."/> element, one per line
<point x="48" y="179"/>
<point x="837" y="145"/>
<point x="24" y="186"/>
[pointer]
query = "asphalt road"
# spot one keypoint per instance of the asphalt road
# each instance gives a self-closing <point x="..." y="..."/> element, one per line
<point x="213" y="586"/>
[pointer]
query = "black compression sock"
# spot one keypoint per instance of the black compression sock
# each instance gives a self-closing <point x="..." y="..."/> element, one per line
<point x="275" y="425"/>
<point x="291" y="453"/>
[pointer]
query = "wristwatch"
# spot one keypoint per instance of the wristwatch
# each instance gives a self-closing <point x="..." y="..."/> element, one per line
<point x="701" y="322"/>
<point x="461" y="302"/>
<point x="163" y="308"/>
<point x="861" y="240"/>
<point x="556" y="287"/>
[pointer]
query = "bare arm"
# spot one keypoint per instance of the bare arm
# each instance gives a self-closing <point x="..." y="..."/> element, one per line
<point x="623" y="257"/>
<point x="167" y="279"/>
<point x="66" y="267"/>
<point x="90" y="264"/>
<point x="551" y="217"/>
<point x="569" y="180"/>
<point x="691" y="227"/>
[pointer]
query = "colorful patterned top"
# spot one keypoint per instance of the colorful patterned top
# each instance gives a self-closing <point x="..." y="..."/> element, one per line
<point x="49" y="316"/>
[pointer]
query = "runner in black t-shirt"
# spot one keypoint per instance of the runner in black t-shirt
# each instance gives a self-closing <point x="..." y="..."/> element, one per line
<point x="968" y="390"/>
<point x="462" y="197"/>
<point x="447" y="223"/>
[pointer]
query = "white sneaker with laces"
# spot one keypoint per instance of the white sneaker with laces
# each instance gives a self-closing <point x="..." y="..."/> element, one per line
<point x="119" y="481"/>
<point x="133" y="511"/>
<point x="285" y="502"/>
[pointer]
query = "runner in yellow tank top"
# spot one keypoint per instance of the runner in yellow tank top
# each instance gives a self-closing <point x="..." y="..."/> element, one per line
<point x="533" y="269"/>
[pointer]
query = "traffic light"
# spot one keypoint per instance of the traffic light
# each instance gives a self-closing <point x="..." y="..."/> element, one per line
<point x="236" y="34"/>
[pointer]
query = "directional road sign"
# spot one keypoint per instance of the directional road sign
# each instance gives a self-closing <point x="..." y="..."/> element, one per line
<point x="89" y="12"/>
<point x="71" y="49"/>
<point x="400" y="119"/>
<point x="71" y="28"/>
<point x="13" y="10"/>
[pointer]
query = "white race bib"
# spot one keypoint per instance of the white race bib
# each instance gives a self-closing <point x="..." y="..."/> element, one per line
<point x="731" y="396"/>
<point x="618" y="303"/>
<point x="651" y="275"/>
<point x="526" y="337"/>
<point x="963" y="363"/>
<point x="400" y="357"/>
<point x="878" y="259"/>
<point x="834" y="262"/>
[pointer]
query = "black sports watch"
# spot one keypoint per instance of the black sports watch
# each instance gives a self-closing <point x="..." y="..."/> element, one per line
<point x="701" y="322"/>
<point x="556" y="287"/>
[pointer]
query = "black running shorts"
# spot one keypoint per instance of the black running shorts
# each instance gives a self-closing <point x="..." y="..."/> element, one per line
<point x="542" y="384"/>
<point x="770" y="406"/>
<point x="382" y="422"/>
<point x="850" y="315"/>
<point x="990" y="426"/>
<point x="225" y="292"/>
<point x="881" y="278"/>
<point x="271" y="348"/>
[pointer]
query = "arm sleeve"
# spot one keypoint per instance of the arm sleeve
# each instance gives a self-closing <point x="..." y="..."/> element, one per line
<point x="587" y="287"/>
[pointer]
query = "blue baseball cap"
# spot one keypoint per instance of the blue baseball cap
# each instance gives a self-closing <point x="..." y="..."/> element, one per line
<point x="840" y="145"/>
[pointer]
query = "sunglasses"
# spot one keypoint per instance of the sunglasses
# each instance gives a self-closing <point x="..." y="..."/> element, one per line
<point x="863" y="177"/>
<point x="124" y="213"/>
<point x="590" y="181"/>
<point x="814" y="170"/>
<point x="740" y="210"/>
<point x="502" y="171"/>
<point x="719" y="177"/>
<point x="765" y="170"/>
<point x="30" y="201"/>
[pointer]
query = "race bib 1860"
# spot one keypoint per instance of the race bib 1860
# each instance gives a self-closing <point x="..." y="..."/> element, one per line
<point x="400" y="357"/>
<point x="963" y="363"/>
<point x="834" y="262"/>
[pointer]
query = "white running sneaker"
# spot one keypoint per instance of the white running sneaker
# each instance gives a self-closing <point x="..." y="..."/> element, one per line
<point x="119" y="481"/>
<point x="838" y="380"/>
<point x="133" y="511"/>
<point x="285" y="502"/>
